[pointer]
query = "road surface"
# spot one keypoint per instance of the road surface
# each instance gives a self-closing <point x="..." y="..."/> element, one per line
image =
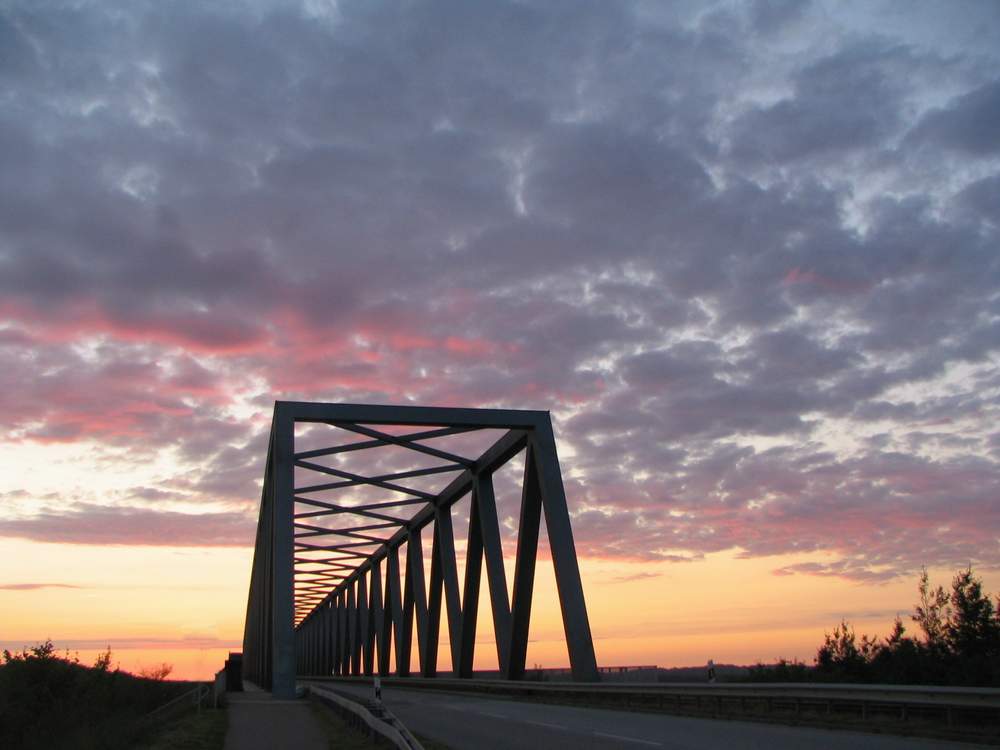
<point x="489" y="723"/>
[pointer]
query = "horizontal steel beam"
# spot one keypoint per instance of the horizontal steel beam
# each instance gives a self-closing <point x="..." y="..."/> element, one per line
<point x="429" y="416"/>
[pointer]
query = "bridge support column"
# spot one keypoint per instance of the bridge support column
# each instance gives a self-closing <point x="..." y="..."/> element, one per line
<point x="282" y="581"/>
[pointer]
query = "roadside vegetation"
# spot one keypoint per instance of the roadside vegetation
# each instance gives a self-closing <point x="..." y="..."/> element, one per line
<point x="958" y="644"/>
<point x="204" y="730"/>
<point x="50" y="701"/>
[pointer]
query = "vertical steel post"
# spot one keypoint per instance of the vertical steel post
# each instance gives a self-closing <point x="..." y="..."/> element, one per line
<point x="331" y="634"/>
<point x="415" y="598"/>
<point x="470" y="591"/>
<point x="375" y="617"/>
<point x="394" y="609"/>
<point x="336" y="634"/>
<point x="283" y="535"/>
<point x="496" y="577"/>
<point x="362" y="645"/>
<point x="326" y="666"/>
<point x="428" y="657"/>
<point x="524" y="567"/>
<point x="576" y="624"/>
<point x="314" y="646"/>
<point x="352" y="629"/>
<point x="266" y="588"/>
<point x="345" y="656"/>
<point x="449" y="574"/>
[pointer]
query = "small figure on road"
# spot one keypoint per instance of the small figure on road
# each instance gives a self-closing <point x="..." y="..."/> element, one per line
<point x="711" y="671"/>
<point x="378" y="690"/>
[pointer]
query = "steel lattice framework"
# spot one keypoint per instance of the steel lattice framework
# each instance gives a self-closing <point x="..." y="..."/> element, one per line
<point x="320" y="602"/>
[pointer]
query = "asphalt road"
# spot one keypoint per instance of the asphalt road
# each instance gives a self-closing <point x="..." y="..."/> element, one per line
<point x="487" y="723"/>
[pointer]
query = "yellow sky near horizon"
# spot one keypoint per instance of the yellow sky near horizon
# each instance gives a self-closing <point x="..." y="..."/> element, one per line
<point x="185" y="606"/>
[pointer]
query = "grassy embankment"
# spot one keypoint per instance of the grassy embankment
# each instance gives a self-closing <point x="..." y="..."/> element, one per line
<point x="204" y="730"/>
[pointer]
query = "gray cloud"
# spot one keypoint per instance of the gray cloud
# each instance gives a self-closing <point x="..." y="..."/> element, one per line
<point x="746" y="254"/>
<point x="85" y="523"/>
<point x="966" y="123"/>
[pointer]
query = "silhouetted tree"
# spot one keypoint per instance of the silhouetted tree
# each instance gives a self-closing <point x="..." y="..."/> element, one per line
<point x="973" y="631"/>
<point x="157" y="671"/>
<point x="932" y="613"/>
<point x="103" y="661"/>
<point x="782" y="671"/>
<point x="960" y="646"/>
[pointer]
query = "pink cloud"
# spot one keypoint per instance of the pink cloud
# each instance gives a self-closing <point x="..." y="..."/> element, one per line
<point x="210" y="332"/>
<point x="35" y="586"/>
<point x="798" y="275"/>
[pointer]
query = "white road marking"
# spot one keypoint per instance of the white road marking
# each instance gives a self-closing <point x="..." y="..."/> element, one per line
<point x="492" y="716"/>
<point x="544" y="724"/>
<point x="628" y="739"/>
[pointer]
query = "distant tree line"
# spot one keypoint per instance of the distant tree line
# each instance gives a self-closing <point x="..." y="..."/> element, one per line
<point x="959" y="644"/>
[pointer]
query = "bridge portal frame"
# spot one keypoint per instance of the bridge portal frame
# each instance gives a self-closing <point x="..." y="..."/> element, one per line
<point x="349" y="631"/>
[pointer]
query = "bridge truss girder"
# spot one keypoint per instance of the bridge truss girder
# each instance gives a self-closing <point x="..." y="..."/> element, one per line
<point x="345" y="616"/>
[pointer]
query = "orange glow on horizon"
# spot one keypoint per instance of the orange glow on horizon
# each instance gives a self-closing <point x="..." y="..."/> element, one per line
<point x="185" y="607"/>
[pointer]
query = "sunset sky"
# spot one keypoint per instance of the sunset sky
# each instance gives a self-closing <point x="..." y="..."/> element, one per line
<point x="747" y="254"/>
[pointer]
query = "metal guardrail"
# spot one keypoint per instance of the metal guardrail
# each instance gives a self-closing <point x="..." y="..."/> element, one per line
<point x="385" y="725"/>
<point x="951" y="705"/>
<point x="219" y="688"/>
<point x="193" y="698"/>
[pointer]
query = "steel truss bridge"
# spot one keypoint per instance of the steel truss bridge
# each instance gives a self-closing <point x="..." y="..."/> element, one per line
<point x="326" y="591"/>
